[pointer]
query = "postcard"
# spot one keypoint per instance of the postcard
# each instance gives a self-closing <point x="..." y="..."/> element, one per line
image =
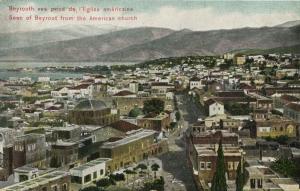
<point x="143" y="95"/>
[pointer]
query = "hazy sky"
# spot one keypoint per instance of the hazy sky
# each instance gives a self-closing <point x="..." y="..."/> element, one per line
<point x="175" y="14"/>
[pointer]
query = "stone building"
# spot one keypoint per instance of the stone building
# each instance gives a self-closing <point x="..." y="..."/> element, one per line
<point x="126" y="104"/>
<point x="6" y="147"/>
<point x="29" y="149"/>
<point x="64" y="154"/>
<point x="92" y="112"/>
<point x="202" y="154"/>
<point x="275" y="127"/>
<point x="292" y="110"/>
<point x="155" y="122"/>
<point x="204" y="162"/>
<point x="132" y="149"/>
<point x="263" y="178"/>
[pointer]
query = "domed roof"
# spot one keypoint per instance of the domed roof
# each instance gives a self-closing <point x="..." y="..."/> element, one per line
<point x="90" y="105"/>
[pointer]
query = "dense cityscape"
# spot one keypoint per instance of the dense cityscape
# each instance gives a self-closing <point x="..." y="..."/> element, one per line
<point x="228" y="122"/>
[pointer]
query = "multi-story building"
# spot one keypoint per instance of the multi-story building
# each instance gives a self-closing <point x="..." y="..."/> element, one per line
<point x="202" y="147"/>
<point x="213" y="107"/>
<point x="7" y="136"/>
<point x="204" y="162"/>
<point x="64" y="154"/>
<point x="29" y="149"/>
<point x="292" y="111"/>
<point x="263" y="178"/>
<point x="232" y="125"/>
<point x="132" y="149"/>
<point x="72" y="133"/>
<point x="275" y="127"/>
<point x="153" y="121"/>
<point x="196" y="82"/>
<point x="126" y="104"/>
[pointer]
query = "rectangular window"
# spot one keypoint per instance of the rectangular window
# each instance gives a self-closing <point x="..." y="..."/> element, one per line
<point x="95" y="175"/>
<point x="87" y="178"/>
<point x="202" y="165"/>
<point x="259" y="183"/>
<point x="236" y="164"/>
<point x="208" y="165"/>
<point x="252" y="183"/>
<point x="101" y="172"/>
<point x="230" y="165"/>
<point x="76" y="179"/>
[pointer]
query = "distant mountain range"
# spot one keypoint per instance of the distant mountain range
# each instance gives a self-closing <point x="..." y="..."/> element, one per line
<point x="89" y="43"/>
<point x="37" y="37"/>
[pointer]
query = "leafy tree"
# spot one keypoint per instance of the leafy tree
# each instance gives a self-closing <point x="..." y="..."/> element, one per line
<point x="282" y="139"/>
<point x="157" y="184"/>
<point x="91" y="188"/>
<point x="154" y="105"/>
<point x="219" y="179"/>
<point x="135" y="112"/>
<point x="105" y="182"/>
<point x="117" y="177"/>
<point x="128" y="172"/>
<point x="155" y="168"/>
<point x="286" y="167"/>
<point x="141" y="166"/>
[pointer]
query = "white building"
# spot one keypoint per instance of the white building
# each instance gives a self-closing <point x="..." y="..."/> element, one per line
<point x="196" y="82"/>
<point x="133" y="87"/>
<point x="89" y="172"/>
<point x="43" y="79"/>
<point x="214" y="107"/>
<point x="24" y="173"/>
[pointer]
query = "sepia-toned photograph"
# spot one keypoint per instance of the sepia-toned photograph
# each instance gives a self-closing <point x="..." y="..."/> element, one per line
<point x="149" y="95"/>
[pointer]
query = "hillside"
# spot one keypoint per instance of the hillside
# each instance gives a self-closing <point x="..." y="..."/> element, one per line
<point x="139" y="44"/>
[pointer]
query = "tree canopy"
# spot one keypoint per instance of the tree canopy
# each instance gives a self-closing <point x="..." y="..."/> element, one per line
<point x="154" y="106"/>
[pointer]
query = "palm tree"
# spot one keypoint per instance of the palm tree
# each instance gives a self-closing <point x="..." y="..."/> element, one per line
<point x="154" y="168"/>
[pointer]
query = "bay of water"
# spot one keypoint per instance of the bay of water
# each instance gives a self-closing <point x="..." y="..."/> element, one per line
<point x="14" y="65"/>
<point x="5" y="74"/>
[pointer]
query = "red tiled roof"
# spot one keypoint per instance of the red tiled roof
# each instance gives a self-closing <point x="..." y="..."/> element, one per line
<point x="151" y="115"/>
<point x="294" y="106"/>
<point x="124" y="93"/>
<point x="160" y="84"/>
<point x="230" y="94"/>
<point x="81" y="86"/>
<point x="124" y="126"/>
<point x="289" y="98"/>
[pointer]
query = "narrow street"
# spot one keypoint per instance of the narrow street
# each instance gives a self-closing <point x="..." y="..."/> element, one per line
<point x="177" y="175"/>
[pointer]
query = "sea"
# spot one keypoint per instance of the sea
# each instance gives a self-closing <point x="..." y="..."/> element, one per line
<point x="6" y="69"/>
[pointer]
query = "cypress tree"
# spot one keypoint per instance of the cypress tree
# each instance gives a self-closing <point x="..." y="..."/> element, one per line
<point x="219" y="180"/>
<point x="240" y="178"/>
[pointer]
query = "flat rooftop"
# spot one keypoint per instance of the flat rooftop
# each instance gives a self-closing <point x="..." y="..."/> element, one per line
<point x="131" y="138"/>
<point x="211" y="150"/>
<point x="67" y="128"/>
<point x="36" y="182"/>
<point x="91" y="164"/>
